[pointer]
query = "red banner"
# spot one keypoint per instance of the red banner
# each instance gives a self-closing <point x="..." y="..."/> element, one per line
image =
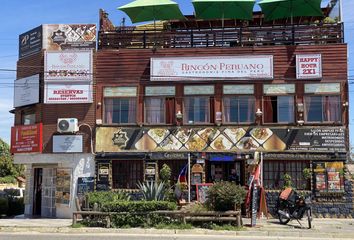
<point x="26" y="138"/>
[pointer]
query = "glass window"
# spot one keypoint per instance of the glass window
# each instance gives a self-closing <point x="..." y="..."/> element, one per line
<point x="197" y="109"/>
<point x="278" y="109"/>
<point x="322" y="108"/>
<point x="29" y="119"/>
<point x="238" y="109"/>
<point x="154" y="110"/>
<point x="127" y="173"/>
<point x="274" y="174"/>
<point x="120" y="110"/>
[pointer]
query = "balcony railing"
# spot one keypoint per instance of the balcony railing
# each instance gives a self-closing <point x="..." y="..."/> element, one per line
<point x="228" y="37"/>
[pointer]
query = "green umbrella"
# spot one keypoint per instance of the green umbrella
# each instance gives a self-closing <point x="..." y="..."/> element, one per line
<point x="151" y="10"/>
<point x="278" y="9"/>
<point x="213" y="9"/>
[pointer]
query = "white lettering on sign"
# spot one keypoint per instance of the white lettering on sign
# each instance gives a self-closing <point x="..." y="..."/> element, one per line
<point x="309" y="66"/>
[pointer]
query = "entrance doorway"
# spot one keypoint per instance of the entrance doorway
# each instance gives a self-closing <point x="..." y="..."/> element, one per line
<point x="37" y="191"/>
<point x="226" y="171"/>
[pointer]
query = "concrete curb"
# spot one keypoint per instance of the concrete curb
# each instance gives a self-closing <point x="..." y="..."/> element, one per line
<point x="299" y="233"/>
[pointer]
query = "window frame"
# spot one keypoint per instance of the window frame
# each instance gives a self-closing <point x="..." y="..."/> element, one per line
<point x="274" y="170"/>
<point x="293" y="95"/>
<point x="322" y="95"/>
<point x="164" y="110"/>
<point x="122" y="97"/>
<point x="233" y="96"/>
<point x="126" y="173"/>
<point x="185" y="120"/>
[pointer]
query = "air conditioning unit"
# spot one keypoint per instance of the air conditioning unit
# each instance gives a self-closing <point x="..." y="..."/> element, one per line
<point x="67" y="125"/>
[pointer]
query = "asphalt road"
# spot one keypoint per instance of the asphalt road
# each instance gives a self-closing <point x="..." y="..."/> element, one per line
<point x="70" y="236"/>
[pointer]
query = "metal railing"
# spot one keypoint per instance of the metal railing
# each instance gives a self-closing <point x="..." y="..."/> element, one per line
<point x="227" y="37"/>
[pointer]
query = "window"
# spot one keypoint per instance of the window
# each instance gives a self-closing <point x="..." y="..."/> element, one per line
<point x="197" y="109"/>
<point x="120" y="105"/>
<point x="120" y="110"/>
<point x="176" y="167"/>
<point x="127" y="173"/>
<point x="320" y="108"/>
<point x="278" y="109"/>
<point x="274" y="174"/>
<point x="159" y="109"/>
<point x="238" y="109"/>
<point x="198" y="105"/>
<point x="28" y="118"/>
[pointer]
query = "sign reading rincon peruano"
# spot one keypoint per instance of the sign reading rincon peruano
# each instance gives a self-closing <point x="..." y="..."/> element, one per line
<point x="211" y="68"/>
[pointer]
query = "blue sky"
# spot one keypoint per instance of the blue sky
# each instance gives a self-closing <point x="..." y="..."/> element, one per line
<point x="18" y="16"/>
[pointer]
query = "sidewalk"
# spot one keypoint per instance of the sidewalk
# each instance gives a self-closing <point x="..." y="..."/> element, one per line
<point x="322" y="228"/>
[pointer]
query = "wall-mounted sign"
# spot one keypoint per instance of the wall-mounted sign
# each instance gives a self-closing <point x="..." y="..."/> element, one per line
<point x="202" y="191"/>
<point x="72" y="65"/>
<point x="30" y="42"/>
<point x="211" y="68"/>
<point x="67" y="144"/>
<point x="66" y="93"/>
<point x="308" y="66"/>
<point x="69" y="36"/>
<point x="222" y="139"/>
<point x="57" y="37"/>
<point x="26" y="139"/>
<point x="26" y="91"/>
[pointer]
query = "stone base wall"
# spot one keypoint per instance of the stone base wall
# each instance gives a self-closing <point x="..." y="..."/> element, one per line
<point x="334" y="207"/>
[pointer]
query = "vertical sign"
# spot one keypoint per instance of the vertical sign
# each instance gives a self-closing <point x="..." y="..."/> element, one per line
<point x="309" y="66"/>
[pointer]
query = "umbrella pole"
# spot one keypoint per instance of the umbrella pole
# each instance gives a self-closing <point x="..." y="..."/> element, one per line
<point x="222" y="26"/>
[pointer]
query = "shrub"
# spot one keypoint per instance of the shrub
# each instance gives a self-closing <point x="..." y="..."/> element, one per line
<point x="8" y="179"/>
<point x="165" y="174"/>
<point x="223" y="196"/>
<point x="153" y="191"/>
<point x="4" y="206"/>
<point x="287" y="181"/>
<point x="139" y="213"/>
<point x="102" y="198"/>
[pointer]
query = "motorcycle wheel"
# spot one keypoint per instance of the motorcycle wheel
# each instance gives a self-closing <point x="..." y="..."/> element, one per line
<point x="309" y="218"/>
<point x="282" y="219"/>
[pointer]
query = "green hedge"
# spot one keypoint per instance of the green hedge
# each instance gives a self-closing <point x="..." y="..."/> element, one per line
<point x="105" y="197"/>
<point x="139" y="213"/>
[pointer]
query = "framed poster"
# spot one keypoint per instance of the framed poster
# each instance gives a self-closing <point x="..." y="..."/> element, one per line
<point x="202" y="191"/>
<point x="63" y="186"/>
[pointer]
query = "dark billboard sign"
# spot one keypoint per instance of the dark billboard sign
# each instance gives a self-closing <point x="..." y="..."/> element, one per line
<point x="30" y="42"/>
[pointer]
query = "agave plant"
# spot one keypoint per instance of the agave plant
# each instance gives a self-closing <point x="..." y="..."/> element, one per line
<point x="152" y="191"/>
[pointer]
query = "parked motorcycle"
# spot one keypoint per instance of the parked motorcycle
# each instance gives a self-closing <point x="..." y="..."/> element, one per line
<point x="292" y="206"/>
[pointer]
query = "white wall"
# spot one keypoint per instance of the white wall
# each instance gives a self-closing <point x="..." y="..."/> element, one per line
<point x="82" y="165"/>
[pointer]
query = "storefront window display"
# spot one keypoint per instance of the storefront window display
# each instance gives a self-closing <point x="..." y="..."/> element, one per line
<point x="329" y="178"/>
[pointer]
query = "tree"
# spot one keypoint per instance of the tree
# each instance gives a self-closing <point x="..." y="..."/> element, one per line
<point x="7" y="166"/>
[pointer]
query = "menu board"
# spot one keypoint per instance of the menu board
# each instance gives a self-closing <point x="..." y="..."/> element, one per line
<point x="328" y="177"/>
<point x="84" y="185"/>
<point x="62" y="193"/>
<point x="202" y="191"/>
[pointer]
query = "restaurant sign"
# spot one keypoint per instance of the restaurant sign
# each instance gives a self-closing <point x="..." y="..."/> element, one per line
<point x="57" y="37"/>
<point x="211" y="68"/>
<point x="26" y="138"/>
<point x="309" y="66"/>
<point x="68" y="93"/>
<point x="222" y="139"/>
